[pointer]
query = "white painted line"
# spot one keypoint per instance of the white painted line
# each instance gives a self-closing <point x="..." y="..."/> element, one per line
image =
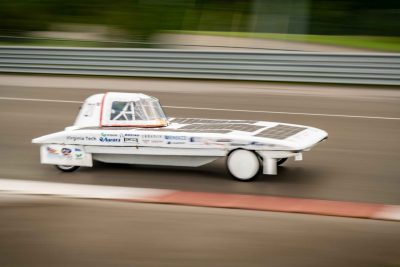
<point x="222" y="109"/>
<point x="288" y="113"/>
<point x="79" y="190"/>
<point x="40" y="100"/>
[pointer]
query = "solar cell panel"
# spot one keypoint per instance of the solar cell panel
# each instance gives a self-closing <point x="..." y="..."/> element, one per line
<point x="280" y="131"/>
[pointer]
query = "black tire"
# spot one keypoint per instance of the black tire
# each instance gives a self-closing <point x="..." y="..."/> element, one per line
<point x="279" y="162"/>
<point x="67" y="168"/>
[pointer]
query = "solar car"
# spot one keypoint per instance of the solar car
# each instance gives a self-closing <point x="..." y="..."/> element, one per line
<point x="132" y="128"/>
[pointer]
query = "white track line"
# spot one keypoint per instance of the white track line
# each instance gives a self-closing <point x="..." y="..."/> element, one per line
<point x="220" y="109"/>
<point x="79" y="190"/>
<point x="288" y="113"/>
<point x="40" y="100"/>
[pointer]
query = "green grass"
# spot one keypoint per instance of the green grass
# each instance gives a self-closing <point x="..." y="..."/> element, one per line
<point x="378" y="43"/>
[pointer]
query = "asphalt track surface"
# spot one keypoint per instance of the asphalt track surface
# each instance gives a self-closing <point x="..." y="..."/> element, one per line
<point x="44" y="231"/>
<point x="359" y="162"/>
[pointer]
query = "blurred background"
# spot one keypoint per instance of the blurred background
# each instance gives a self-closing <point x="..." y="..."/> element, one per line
<point x="248" y="60"/>
<point x="365" y="24"/>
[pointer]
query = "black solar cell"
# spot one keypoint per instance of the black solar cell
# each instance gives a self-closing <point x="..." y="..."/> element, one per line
<point x="280" y="131"/>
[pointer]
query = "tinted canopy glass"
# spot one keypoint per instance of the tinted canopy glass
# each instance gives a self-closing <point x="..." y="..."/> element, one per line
<point x="145" y="109"/>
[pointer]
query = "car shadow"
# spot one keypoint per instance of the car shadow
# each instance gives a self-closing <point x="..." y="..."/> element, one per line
<point x="215" y="171"/>
<point x="210" y="171"/>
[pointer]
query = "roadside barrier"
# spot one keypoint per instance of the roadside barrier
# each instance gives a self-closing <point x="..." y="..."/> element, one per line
<point x="314" y="67"/>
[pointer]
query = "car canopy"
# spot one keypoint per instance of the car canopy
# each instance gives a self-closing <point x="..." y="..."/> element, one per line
<point x="122" y="109"/>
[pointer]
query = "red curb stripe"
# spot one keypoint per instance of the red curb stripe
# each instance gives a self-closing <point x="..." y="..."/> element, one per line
<point x="221" y="200"/>
<point x="279" y="204"/>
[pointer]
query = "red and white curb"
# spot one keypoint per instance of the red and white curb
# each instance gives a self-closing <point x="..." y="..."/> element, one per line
<point x="220" y="200"/>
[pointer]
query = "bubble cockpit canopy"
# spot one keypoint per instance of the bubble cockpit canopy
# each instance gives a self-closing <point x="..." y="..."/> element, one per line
<point x="122" y="109"/>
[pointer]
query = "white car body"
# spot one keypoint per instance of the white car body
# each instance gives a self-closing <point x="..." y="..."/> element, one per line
<point x="132" y="128"/>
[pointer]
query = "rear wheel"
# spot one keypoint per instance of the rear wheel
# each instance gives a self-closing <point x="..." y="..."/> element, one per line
<point x="67" y="168"/>
<point x="243" y="165"/>
<point x="279" y="162"/>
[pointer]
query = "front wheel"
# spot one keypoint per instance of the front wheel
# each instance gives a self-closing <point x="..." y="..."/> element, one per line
<point x="243" y="165"/>
<point x="67" y="168"/>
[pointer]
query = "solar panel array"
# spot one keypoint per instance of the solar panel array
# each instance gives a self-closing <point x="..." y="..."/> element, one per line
<point x="280" y="131"/>
<point x="158" y="129"/>
<point x="222" y="126"/>
<point x="208" y="121"/>
<point x="188" y="130"/>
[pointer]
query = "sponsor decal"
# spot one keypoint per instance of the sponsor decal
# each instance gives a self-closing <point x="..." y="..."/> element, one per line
<point x="75" y="138"/>
<point x="153" y="142"/>
<point x="109" y="135"/>
<point x="131" y="140"/>
<point x="195" y="139"/>
<point x="66" y="151"/>
<point x="61" y="152"/>
<point x="152" y="136"/>
<point x="131" y="135"/>
<point x="176" y="137"/>
<point x="78" y="153"/>
<point x="80" y="138"/>
<point x="110" y="138"/>
<point x="238" y="144"/>
<point x="257" y="144"/>
<point x="176" y="142"/>
<point x="152" y="139"/>
<point x="52" y="150"/>
<point x="224" y="140"/>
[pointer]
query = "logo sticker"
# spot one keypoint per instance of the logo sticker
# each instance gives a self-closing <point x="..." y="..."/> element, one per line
<point x="109" y="138"/>
<point x="66" y="152"/>
<point x="152" y="136"/>
<point x="195" y="139"/>
<point x="176" y="138"/>
<point x="80" y="138"/>
<point x="52" y="150"/>
<point x="131" y="140"/>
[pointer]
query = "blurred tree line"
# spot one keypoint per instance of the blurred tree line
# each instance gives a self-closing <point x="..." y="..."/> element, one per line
<point x="142" y="18"/>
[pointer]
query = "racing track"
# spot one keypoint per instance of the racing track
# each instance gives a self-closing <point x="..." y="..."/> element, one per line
<point x="43" y="231"/>
<point x="359" y="162"/>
